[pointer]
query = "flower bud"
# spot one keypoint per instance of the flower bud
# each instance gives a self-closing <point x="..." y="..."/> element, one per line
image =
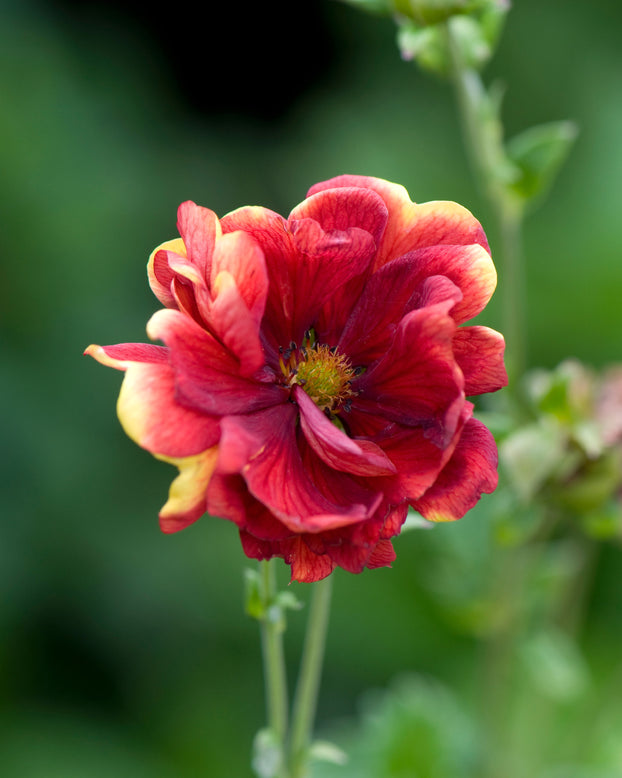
<point x="428" y="12"/>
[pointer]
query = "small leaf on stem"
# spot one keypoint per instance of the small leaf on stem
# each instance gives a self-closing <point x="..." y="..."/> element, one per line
<point x="267" y="758"/>
<point x="539" y="153"/>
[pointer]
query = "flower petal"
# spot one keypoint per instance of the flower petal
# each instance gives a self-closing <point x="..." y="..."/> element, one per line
<point x="122" y="355"/>
<point x="199" y="229"/>
<point x="159" y="270"/>
<point x="358" y="216"/>
<point x="241" y="257"/>
<point x="306" y="566"/>
<point x="147" y="408"/>
<point x="334" y="447"/>
<point x="326" y="267"/>
<point x="207" y="374"/>
<point x="231" y="321"/>
<point x="394" y="521"/>
<point x="263" y="448"/>
<point x="418" y="461"/>
<point x="307" y="264"/>
<point x="382" y="555"/>
<point x="417" y="383"/>
<point x="389" y="294"/>
<point x="470" y="471"/>
<point x="187" y="495"/>
<point x="411" y="226"/>
<point x="479" y="353"/>
<point x="350" y="547"/>
<point x="329" y="273"/>
<point x="152" y="418"/>
<point x="344" y="208"/>
<point x="229" y="498"/>
<point x="270" y="232"/>
<point x="470" y="268"/>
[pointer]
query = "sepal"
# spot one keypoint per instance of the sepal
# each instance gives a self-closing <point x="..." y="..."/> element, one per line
<point x="538" y="154"/>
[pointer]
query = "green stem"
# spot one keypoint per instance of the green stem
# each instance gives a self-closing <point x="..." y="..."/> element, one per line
<point x="509" y="220"/>
<point x="272" y="650"/>
<point x="483" y="138"/>
<point x="305" y="702"/>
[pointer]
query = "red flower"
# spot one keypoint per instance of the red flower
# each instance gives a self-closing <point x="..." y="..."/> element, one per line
<point x="314" y="376"/>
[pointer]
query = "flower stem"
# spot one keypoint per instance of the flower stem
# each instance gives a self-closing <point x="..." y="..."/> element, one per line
<point x="305" y="702"/>
<point x="272" y="650"/>
<point x="483" y="136"/>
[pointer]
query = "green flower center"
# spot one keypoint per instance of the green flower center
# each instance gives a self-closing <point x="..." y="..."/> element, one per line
<point x="325" y="376"/>
<point x="323" y="373"/>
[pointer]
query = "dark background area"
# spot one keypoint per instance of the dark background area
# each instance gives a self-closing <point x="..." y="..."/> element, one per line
<point x="126" y="652"/>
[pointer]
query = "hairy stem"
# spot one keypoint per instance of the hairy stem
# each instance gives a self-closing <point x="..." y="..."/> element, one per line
<point x="483" y="138"/>
<point x="305" y="702"/>
<point x="272" y="650"/>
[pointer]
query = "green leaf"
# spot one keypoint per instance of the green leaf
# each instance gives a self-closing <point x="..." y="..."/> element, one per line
<point x="595" y="483"/>
<point x="539" y="153"/>
<point x="253" y="605"/>
<point x="267" y="759"/>
<point x="287" y="600"/>
<point x="415" y="520"/>
<point x="415" y="728"/>
<point x="427" y="44"/>
<point x="556" y="665"/>
<point x="532" y="454"/>
<point x="324" y="751"/>
<point x="604" y="524"/>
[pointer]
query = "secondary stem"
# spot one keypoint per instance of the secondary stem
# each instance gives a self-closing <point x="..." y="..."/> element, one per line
<point x="272" y="650"/>
<point x="484" y="141"/>
<point x="305" y="702"/>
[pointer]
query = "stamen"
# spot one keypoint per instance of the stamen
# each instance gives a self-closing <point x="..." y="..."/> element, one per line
<point x="322" y="372"/>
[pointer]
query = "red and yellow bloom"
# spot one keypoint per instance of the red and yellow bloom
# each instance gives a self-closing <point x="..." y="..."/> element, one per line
<point x="313" y="379"/>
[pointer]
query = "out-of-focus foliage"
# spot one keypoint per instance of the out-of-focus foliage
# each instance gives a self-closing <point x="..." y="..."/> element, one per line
<point x="538" y="153"/>
<point x="125" y="652"/>
<point x="476" y="28"/>
<point x="415" y="728"/>
<point x="576" y="430"/>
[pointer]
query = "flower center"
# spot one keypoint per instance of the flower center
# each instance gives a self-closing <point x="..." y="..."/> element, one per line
<point x="323" y="373"/>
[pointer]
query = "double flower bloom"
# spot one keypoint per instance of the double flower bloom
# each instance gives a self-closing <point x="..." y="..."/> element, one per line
<point x="314" y="376"/>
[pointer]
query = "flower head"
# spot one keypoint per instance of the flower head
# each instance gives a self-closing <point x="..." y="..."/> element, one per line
<point x="313" y="380"/>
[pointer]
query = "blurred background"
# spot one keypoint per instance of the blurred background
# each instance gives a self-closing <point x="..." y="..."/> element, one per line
<point x="126" y="652"/>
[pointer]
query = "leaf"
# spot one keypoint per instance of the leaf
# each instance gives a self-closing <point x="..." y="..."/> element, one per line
<point x="415" y="520"/>
<point x="267" y="760"/>
<point x="556" y="665"/>
<point x="253" y="605"/>
<point x="593" y="485"/>
<point x="287" y="600"/>
<point x="539" y="153"/>
<point x="425" y="45"/>
<point x="428" y="46"/>
<point x="415" y="728"/>
<point x="324" y="751"/>
<point x="604" y="524"/>
<point x="532" y="454"/>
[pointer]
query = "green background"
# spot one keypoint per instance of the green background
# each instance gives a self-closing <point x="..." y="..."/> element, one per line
<point x="126" y="652"/>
